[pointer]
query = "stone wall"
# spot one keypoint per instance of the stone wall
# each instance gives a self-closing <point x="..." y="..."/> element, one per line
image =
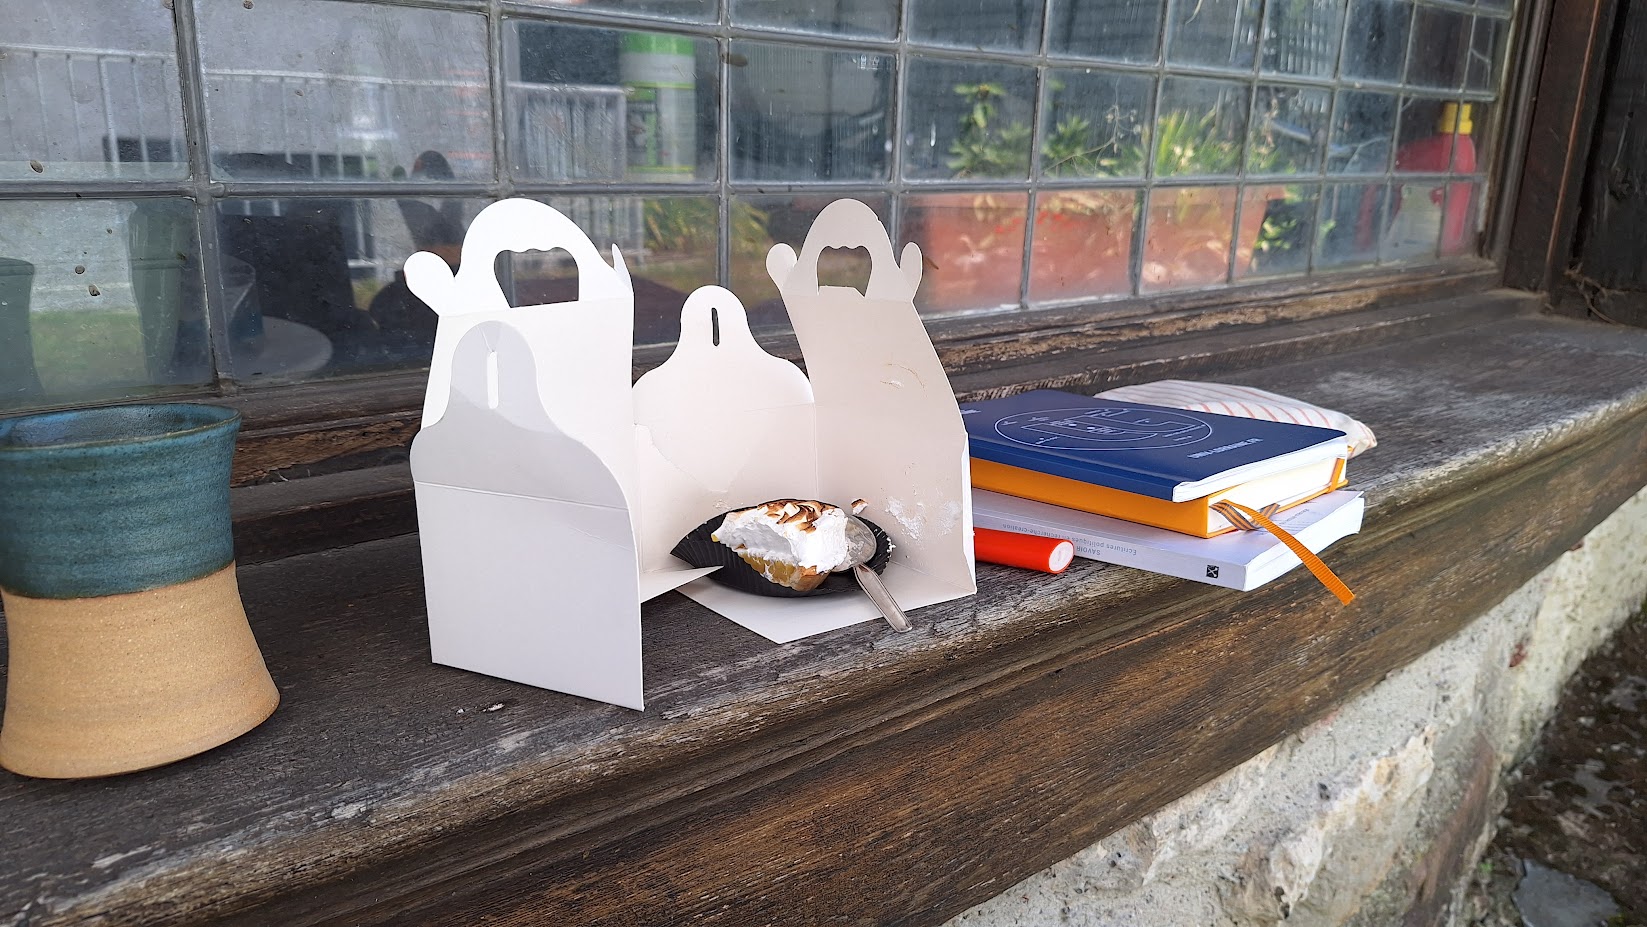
<point x="1374" y="815"/>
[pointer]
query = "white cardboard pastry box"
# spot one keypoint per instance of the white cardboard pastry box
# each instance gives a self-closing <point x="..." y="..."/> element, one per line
<point x="550" y="491"/>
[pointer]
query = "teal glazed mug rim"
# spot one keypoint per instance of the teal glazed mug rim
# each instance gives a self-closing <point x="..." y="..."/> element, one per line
<point x="207" y="416"/>
<point x="116" y="499"/>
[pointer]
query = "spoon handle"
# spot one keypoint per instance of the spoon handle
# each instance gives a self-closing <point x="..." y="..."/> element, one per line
<point x="877" y="592"/>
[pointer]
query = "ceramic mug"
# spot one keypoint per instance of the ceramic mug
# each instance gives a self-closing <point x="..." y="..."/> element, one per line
<point x="128" y="644"/>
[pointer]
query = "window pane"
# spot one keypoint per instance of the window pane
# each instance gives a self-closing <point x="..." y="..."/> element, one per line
<point x="1289" y="127"/>
<point x="1303" y="37"/>
<point x="99" y="300"/>
<point x="90" y="91"/>
<point x="599" y="104"/>
<point x="1414" y="224"/>
<point x="870" y="18"/>
<point x="1352" y="223"/>
<point x="1214" y="33"/>
<point x="1121" y="30"/>
<point x="318" y="282"/>
<point x="973" y="248"/>
<point x="1286" y="217"/>
<point x="1013" y="25"/>
<point x="809" y="113"/>
<point x="684" y="10"/>
<point x="967" y="120"/>
<point x="1441" y="49"/>
<point x="1425" y="135"/>
<point x="1201" y="127"/>
<point x="1486" y="53"/>
<point x="1363" y="133"/>
<point x="1095" y="124"/>
<point x="759" y="222"/>
<point x="1377" y="45"/>
<point x="1461" y="231"/>
<point x="1083" y="245"/>
<point x="1187" y="241"/>
<point x="308" y="90"/>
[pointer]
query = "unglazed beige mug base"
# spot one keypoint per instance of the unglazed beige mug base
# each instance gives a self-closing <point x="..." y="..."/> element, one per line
<point x="119" y="683"/>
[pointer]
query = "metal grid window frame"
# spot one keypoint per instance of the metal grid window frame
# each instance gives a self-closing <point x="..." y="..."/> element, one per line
<point x="208" y="192"/>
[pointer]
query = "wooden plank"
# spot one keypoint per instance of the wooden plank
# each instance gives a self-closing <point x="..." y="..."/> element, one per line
<point x="858" y="776"/>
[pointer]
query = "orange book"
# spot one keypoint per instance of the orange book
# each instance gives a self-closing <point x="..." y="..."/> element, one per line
<point x="1195" y="516"/>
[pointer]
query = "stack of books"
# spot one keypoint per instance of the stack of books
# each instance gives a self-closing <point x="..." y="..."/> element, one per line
<point x="1142" y="485"/>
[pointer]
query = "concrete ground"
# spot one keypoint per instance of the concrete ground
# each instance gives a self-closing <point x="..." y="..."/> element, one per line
<point x="1571" y="848"/>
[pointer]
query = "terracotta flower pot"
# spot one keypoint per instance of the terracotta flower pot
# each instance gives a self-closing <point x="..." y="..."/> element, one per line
<point x="128" y="645"/>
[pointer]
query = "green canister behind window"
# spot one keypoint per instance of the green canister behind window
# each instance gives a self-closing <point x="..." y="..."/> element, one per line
<point x="658" y="71"/>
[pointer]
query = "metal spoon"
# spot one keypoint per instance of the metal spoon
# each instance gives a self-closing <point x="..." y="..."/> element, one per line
<point x="860" y="546"/>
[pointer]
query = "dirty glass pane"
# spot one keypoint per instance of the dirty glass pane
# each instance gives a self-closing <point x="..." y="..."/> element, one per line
<point x="972" y="247"/>
<point x="99" y="300"/>
<point x="1214" y="33"/>
<point x="1009" y="25"/>
<point x="1486" y="54"/>
<point x="1095" y="124"/>
<point x="967" y="121"/>
<point x="1377" y="47"/>
<point x="1286" y="216"/>
<point x="1424" y="135"/>
<point x="1188" y="236"/>
<point x="1441" y="48"/>
<point x="1302" y="37"/>
<point x="1351" y="224"/>
<point x="1413" y="228"/>
<point x="1461" y="223"/>
<point x="305" y="90"/>
<point x="668" y="244"/>
<point x="1083" y="244"/>
<point x="870" y="18"/>
<point x="600" y="104"/>
<point x="759" y="222"/>
<point x="684" y="10"/>
<point x="89" y="90"/>
<point x="1289" y="130"/>
<point x="1119" y="30"/>
<point x="809" y="113"/>
<point x="313" y="286"/>
<point x="1363" y="132"/>
<point x="1201" y="128"/>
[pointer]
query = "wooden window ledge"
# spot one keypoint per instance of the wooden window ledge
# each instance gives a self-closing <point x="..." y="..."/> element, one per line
<point x="856" y="777"/>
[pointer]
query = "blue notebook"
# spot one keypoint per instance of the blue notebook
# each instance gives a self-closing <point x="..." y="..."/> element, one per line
<point x="1149" y="450"/>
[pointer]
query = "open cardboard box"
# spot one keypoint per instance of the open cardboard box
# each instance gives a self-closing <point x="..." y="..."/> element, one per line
<point x="550" y="491"/>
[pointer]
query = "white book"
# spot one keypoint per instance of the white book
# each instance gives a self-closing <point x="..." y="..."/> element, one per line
<point x="1238" y="560"/>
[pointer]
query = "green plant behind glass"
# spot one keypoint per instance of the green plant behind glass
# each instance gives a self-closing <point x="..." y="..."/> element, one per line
<point x="985" y="147"/>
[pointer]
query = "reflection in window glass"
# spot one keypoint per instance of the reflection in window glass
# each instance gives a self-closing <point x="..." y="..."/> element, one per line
<point x="684" y="10"/>
<point x="1201" y="127"/>
<point x="1188" y="237"/>
<point x="1289" y="128"/>
<point x="1352" y="221"/>
<point x="89" y="89"/>
<point x="1119" y="30"/>
<point x="1214" y="33"/>
<point x="972" y="246"/>
<point x="1363" y="133"/>
<point x="1486" y="50"/>
<point x="1012" y="25"/>
<point x="967" y="120"/>
<point x="871" y="18"/>
<point x="1095" y="124"/>
<point x="1083" y="245"/>
<point x="99" y="300"/>
<point x="304" y="90"/>
<point x="1441" y="48"/>
<point x="1377" y="48"/>
<point x="759" y="222"/>
<point x="1286" y="216"/>
<point x="1302" y="37"/>
<point x="809" y="114"/>
<point x="317" y="282"/>
<point x="600" y="104"/>
<point x="668" y="244"/>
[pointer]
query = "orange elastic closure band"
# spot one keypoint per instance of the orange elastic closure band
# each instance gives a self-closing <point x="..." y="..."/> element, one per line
<point x="1251" y="519"/>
